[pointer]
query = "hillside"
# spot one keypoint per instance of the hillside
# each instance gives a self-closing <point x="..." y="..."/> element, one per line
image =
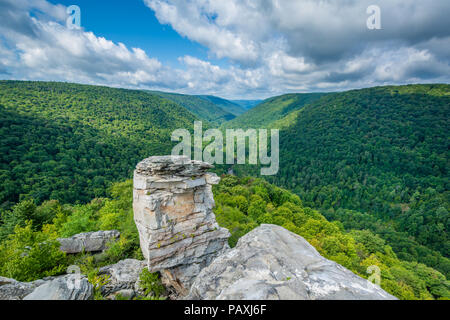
<point x="247" y="104"/>
<point x="241" y="205"/>
<point x="203" y="108"/>
<point x="69" y="142"/>
<point x="229" y="106"/>
<point x="267" y="113"/>
<point x="373" y="161"/>
<point x="376" y="159"/>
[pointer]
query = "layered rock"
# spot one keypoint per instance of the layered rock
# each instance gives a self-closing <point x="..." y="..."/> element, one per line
<point x="68" y="287"/>
<point x="88" y="242"/>
<point x="272" y="263"/>
<point x="11" y="289"/>
<point x="172" y="203"/>
<point x="123" y="278"/>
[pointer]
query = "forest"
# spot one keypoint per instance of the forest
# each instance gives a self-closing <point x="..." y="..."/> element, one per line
<point x="267" y="113"/>
<point x="69" y="142"/>
<point x="375" y="159"/>
<point x="363" y="175"/>
<point x="205" y="108"/>
<point x="30" y="250"/>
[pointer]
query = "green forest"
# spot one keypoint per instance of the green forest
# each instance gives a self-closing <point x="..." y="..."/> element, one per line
<point x="69" y="142"/>
<point x="363" y="175"/>
<point x="267" y="113"/>
<point x="31" y="251"/>
<point x="375" y="159"/>
<point x="211" y="109"/>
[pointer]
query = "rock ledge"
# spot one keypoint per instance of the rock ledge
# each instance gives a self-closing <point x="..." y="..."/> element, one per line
<point x="272" y="263"/>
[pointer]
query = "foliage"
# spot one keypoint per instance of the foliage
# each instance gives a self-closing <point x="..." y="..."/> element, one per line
<point x="373" y="162"/>
<point x="382" y="152"/>
<point x="68" y="142"/>
<point x="210" y="110"/>
<point x="98" y="281"/>
<point x="356" y="251"/>
<point x="151" y="284"/>
<point x="28" y="255"/>
<point x="30" y="251"/>
<point x="269" y="112"/>
<point x="229" y="106"/>
<point x="241" y="205"/>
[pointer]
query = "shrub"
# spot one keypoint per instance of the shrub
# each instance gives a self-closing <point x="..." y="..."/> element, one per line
<point x="29" y="255"/>
<point x="151" y="284"/>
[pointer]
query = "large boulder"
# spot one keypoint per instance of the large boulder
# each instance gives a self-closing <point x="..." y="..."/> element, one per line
<point x="272" y="263"/>
<point x="172" y="203"/>
<point x="88" y="242"/>
<point x="123" y="278"/>
<point x="68" y="287"/>
<point x="11" y="289"/>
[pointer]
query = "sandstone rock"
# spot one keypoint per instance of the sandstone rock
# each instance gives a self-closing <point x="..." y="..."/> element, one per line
<point x="11" y="289"/>
<point x="124" y="275"/>
<point x="172" y="203"/>
<point x="68" y="287"/>
<point x="273" y="263"/>
<point x="89" y="242"/>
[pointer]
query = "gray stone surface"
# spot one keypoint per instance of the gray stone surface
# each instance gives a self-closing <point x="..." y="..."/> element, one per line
<point x="68" y="287"/>
<point x="89" y="241"/>
<point x="172" y="203"/>
<point x="124" y="275"/>
<point x="11" y="289"/>
<point x="273" y="263"/>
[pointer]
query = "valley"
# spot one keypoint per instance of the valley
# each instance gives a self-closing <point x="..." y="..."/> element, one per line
<point x="363" y="173"/>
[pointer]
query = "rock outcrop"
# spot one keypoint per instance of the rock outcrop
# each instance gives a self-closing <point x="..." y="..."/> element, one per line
<point x="88" y="242"/>
<point x="11" y="289"/>
<point x="68" y="287"/>
<point x="123" y="278"/>
<point x="172" y="203"/>
<point x="272" y="263"/>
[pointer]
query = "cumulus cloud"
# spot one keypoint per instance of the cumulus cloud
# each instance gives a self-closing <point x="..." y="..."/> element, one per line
<point x="47" y="50"/>
<point x="312" y="44"/>
<point x="270" y="46"/>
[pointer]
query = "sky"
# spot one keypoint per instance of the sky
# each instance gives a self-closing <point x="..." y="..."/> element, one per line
<point x="236" y="49"/>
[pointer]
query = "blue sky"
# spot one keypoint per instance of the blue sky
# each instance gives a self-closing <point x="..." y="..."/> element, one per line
<point x="134" y="24"/>
<point x="236" y="49"/>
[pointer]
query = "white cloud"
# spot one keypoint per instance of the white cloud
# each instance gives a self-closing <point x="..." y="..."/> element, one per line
<point x="310" y="44"/>
<point x="273" y="46"/>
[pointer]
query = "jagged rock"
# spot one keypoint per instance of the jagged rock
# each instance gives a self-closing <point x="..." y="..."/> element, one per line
<point x="124" y="275"/>
<point x="68" y="287"/>
<point x="272" y="263"/>
<point x="89" y="241"/>
<point x="11" y="289"/>
<point x="172" y="203"/>
<point x="180" y="166"/>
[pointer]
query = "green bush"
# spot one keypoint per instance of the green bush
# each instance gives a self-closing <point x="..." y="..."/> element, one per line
<point x="151" y="284"/>
<point x="29" y="255"/>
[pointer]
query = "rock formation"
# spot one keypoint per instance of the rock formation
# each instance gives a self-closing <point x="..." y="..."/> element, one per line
<point x="272" y="263"/>
<point x="180" y="238"/>
<point x="68" y="287"/>
<point x="123" y="278"/>
<point x="172" y="203"/>
<point x="11" y="289"/>
<point x="88" y="242"/>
